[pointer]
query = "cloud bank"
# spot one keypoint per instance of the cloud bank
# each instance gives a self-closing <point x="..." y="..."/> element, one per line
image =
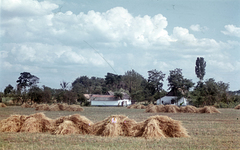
<point x="36" y="39"/>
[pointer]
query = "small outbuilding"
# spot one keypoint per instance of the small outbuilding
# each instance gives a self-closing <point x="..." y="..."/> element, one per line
<point x="172" y="99"/>
<point x="108" y="100"/>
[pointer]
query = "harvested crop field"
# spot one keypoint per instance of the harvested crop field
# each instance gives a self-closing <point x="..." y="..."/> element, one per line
<point x="206" y="131"/>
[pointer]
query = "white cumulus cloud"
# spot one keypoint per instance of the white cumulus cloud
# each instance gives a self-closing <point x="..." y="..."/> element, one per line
<point x="198" y="28"/>
<point x="232" y="30"/>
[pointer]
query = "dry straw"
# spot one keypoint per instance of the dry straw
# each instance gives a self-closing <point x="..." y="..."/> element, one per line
<point x="12" y="123"/>
<point x="176" y="109"/>
<point x="33" y="105"/>
<point x="37" y="123"/>
<point x="161" y="127"/>
<point x="25" y="105"/>
<point x="67" y="127"/>
<point x="115" y="125"/>
<point x="59" y="107"/>
<point x="237" y="107"/>
<point x="136" y="106"/>
<point x="189" y="109"/>
<point x="208" y="109"/>
<point x="2" y="105"/>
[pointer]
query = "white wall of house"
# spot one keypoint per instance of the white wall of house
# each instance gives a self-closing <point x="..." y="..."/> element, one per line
<point x="111" y="103"/>
<point x="167" y="100"/>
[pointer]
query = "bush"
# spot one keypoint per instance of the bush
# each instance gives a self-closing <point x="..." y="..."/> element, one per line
<point x="225" y="105"/>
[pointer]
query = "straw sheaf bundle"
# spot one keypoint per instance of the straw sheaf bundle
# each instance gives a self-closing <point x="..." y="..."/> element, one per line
<point x="54" y="107"/>
<point x="34" y="105"/>
<point x="2" y="105"/>
<point x="74" y="108"/>
<point x="81" y="125"/>
<point x="25" y="105"/>
<point x="59" y="107"/>
<point x="115" y="125"/>
<point x="176" y="109"/>
<point x="151" y="109"/>
<point x="132" y="106"/>
<point x="12" y="123"/>
<point x="208" y="109"/>
<point x="237" y="107"/>
<point x="37" y="123"/>
<point x="140" y="107"/>
<point x="172" y="108"/>
<point x="160" y="127"/>
<point x="170" y="127"/>
<point x="189" y="109"/>
<point x="42" y="107"/>
<point x="136" y="106"/>
<point x="67" y="127"/>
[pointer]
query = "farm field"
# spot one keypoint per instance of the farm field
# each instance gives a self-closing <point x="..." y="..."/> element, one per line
<point x="207" y="131"/>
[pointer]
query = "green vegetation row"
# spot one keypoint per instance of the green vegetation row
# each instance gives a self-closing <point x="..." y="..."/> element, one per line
<point x="204" y="92"/>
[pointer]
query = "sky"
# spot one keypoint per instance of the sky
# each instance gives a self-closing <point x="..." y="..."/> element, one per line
<point x="61" y="40"/>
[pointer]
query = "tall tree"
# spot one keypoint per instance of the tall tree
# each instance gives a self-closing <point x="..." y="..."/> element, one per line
<point x="113" y="80"/>
<point x="200" y="68"/>
<point x="26" y="79"/>
<point x="176" y="81"/>
<point x="8" y="89"/>
<point x="156" y="79"/>
<point x="135" y="84"/>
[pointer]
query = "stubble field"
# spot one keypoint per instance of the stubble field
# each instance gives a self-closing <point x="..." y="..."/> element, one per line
<point x="207" y="131"/>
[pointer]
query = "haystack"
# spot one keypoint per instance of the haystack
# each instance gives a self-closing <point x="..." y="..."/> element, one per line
<point x="82" y="125"/>
<point x="42" y="107"/>
<point x="38" y="123"/>
<point x="115" y="125"/>
<point x="12" y="123"/>
<point x="132" y="106"/>
<point x="208" y="109"/>
<point x="25" y="105"/>
<point x="54" y="107"/>
<point x="74" y="108"/>
<point x="140" y="107"/>
<point x="237" y="107"/>
<point x="67" y="127"/>
<point x="161" y="127"/>
<point x="151" y="109"/>
<point x="34" y="105"/>
<point x="189" y="109"/>
<point x="160" y="108"/>
<point x="63" y="106"/>
<point x="172" y="109"/>
<point x="2" y="105"/>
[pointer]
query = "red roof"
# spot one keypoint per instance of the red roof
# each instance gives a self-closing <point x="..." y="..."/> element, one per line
<point x="102" y="95"/>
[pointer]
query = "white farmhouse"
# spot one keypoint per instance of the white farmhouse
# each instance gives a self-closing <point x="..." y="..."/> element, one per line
<point x="108" y="100"/>
<point x="172" y="99"/>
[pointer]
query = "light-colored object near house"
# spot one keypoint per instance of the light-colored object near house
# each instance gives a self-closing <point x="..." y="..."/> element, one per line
<point x="108" y="100"/>
<point x="172" y="100"/>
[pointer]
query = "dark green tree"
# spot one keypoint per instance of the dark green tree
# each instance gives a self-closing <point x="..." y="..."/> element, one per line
<point x="177" y="82"/>
<point x="8" y="89"/>
<point x="156" y="79"/>
<point x="135" y="84"/>
<point x="35" y="94"/>
<point x="26" y="79"/>
<point x="113" y="81"/>
<point x="200" y="68"/>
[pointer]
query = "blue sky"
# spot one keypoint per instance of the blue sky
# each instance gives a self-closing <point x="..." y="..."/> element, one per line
<point x="58" y="40"/>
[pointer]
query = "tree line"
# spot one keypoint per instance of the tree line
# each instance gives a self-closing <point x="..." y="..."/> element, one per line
<point x="205" y="92"/>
